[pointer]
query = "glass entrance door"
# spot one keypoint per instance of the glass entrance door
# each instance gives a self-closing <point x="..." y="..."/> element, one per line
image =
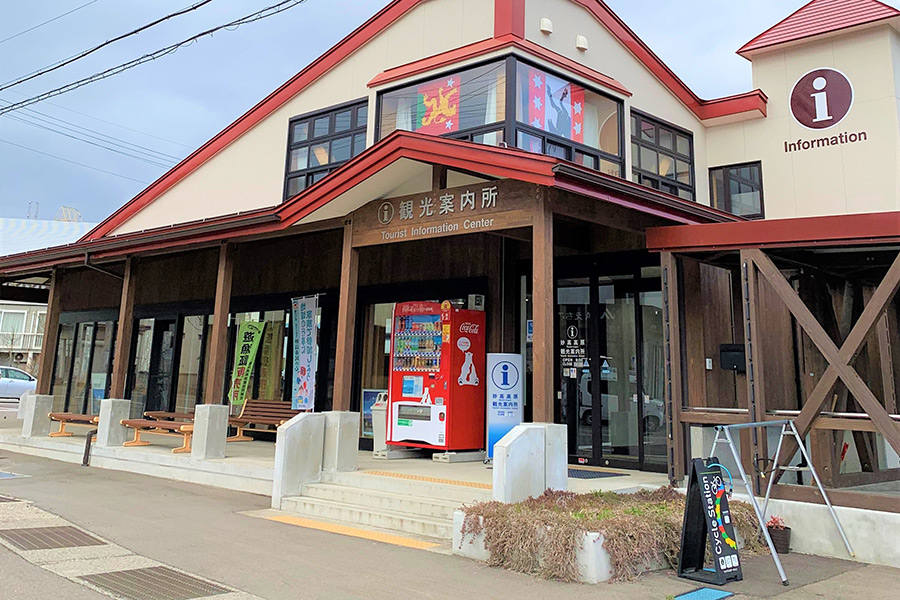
<point x="609" y="363"/>
<point x="159" y="385"/>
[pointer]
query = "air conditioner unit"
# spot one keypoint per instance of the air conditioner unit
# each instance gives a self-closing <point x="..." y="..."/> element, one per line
<point x="19" y="357"/>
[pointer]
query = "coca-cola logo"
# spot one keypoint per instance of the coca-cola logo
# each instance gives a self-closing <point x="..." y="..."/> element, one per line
<point x="469" y="328"/>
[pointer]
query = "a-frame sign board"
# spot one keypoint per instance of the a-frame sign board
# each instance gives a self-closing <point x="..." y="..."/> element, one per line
<point x="708" y="520"/>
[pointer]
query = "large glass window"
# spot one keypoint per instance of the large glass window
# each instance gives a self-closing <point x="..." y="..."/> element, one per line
<point x="270" y="364"/>
<point x="662" y="156"/>
<point x="98" y="383"/>
<point x="563" y="119"/>
<point x="189" y="388"/>
<point x="738" y="189"/>
<point x="321" y="142"/>
<point x="140" y="375"/>
<point x="448" y="105"/>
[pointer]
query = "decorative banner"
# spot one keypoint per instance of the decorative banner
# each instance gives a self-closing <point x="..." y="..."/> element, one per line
<point x="246" y="344"/>
<point x="505" y="396"/>
<point x="437" y="111"/>
<point x="303" y="324"/>
<point x="555" y="105"/>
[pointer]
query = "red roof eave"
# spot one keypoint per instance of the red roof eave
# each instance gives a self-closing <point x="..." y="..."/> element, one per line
<point x="835" y="230"/>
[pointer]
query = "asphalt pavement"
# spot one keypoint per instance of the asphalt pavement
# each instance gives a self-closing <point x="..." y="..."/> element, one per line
<point x="201" y="530"/>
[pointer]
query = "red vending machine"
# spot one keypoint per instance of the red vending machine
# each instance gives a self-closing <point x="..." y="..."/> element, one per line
<point x="436" y="393"/>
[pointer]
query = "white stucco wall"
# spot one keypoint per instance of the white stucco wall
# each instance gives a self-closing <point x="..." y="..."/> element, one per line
<point x="849" y="178"/>
<point x="249" y="174"/>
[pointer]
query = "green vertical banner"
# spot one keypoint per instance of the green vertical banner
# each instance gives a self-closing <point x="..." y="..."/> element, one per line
<point x="248" y="337"/>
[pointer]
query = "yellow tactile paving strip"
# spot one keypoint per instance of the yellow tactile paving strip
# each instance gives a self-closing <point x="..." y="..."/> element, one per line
<point x="375" y="536"/>
<point x="471" y="484"/>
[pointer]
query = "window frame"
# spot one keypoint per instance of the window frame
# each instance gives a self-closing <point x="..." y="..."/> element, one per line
<point x="311" y="140"/>
<point x="656" y="147"/>
<point x="510" y="126"/>
<point x="726" y="201"/>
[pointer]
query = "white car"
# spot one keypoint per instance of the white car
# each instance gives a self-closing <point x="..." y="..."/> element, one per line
<point x="15" y="382"/>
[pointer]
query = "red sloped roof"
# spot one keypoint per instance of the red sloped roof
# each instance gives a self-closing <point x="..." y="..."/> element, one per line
<point x="818" y="17"/>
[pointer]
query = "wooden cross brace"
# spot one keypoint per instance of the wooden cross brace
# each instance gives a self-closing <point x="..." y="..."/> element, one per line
<point x="839" y="359"/>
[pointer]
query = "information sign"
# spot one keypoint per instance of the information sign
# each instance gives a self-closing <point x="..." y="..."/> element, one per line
<point x="505" y="396"/>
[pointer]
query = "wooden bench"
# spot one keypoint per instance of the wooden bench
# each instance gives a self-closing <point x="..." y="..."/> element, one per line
<point x="185" y="430"/>
<point x="261" y="413"/>
<point x="64" y="418"/>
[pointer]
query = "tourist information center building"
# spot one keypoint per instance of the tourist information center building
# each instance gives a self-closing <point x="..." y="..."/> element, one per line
<point x="519" y="152"/>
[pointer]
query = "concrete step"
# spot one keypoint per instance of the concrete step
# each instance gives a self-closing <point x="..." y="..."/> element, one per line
<point x="418" y="525"/>
<point x="379" y="500"/>
<point x="409" y="487"/>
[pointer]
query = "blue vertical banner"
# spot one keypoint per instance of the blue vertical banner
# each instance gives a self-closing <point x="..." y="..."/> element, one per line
<point x="305" y="333"/>
<point x="505" y="396"/>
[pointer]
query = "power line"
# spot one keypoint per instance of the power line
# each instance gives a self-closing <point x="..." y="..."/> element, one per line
<point x="259" y="15"/>
<point x="97" y="144"/>
<point x="89" y="51"/>
<point x="55" y="122"/>
<point x="119" y="125"/>
<point x="72" y="161"/>
<point x="47" y="21"/>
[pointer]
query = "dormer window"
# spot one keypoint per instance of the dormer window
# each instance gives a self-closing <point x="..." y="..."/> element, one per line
<point x="459" y="104"/>
<point x="516" y="103"/>
<point x="321" y="142"/>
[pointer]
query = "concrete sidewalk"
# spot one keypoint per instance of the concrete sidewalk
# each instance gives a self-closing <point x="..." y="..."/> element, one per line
<point x="198" y="529"/>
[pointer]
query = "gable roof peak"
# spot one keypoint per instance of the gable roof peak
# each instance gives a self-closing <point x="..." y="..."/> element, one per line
<point x="819" y="17"/>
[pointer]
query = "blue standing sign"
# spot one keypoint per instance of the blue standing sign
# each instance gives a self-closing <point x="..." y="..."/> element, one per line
<point x="505" y="396"/>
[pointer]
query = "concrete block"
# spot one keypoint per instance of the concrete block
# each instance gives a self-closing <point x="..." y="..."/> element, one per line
<point x="35" y="422"/>
<point x="110" y="431"/>
<point x="556" y="456"/>
<point x="20" y="411"/>
<point x="341" y="441"/>
<point x="519" y="463"/>
<point x="299" y="452"/>
<point x="210" y="431"/>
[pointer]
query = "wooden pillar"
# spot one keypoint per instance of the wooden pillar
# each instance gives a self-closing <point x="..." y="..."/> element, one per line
<point x="542" y="308"/>
<point x="51" y="335"/>
<point x="674" y="364"/>
<point x="346" y="322"/>
<point x="754" y="444"/>
<point x="214" y="390"/>
<point x="124" y="332"/>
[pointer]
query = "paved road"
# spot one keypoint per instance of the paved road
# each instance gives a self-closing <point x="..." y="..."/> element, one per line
<point x="198" y="529"/>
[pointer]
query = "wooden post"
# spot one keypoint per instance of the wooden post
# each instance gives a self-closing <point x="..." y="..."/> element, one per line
<point x="122" y="352"/>
<point x="214" y="390"/>
<point x="542" y="308"/>
<point x="346" y="322"/>
<point x="674" y="366"/>
<point x="51" y="335"/>
<point x="756" y="389"/>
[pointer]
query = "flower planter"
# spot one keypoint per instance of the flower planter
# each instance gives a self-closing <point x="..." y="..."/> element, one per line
<point x="781" y="539"/>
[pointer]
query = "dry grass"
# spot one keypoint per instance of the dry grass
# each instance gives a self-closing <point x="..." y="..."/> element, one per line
<point x="540" y="534"/>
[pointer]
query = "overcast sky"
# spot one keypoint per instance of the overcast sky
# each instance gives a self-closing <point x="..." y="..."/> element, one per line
<point x="176" y="103"/>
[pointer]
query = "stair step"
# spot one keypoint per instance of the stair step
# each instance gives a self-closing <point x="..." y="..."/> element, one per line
<point x="380" y="500"/>
<point x="410" y="487"/>
<point x="430" y="527"/>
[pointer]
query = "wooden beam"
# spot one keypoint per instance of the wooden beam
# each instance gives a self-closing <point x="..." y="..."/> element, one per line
<point x="438" y="177"/>
<point x="838" y="359"/>
<point x="214" y="390"/>
<point x="674" y="366"/>
<point x="542" y="308"/>
<point x="346" y="322"/>
<point x="51" y="335"/>
<point x="888" y="383"/>
<point x="124" y="331"/>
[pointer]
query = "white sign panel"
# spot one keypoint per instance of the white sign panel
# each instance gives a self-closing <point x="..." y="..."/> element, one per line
<point x="505" y="396"/>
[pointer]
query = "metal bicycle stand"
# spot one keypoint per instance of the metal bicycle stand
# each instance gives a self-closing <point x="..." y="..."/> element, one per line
<point x="787" y="428"/>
